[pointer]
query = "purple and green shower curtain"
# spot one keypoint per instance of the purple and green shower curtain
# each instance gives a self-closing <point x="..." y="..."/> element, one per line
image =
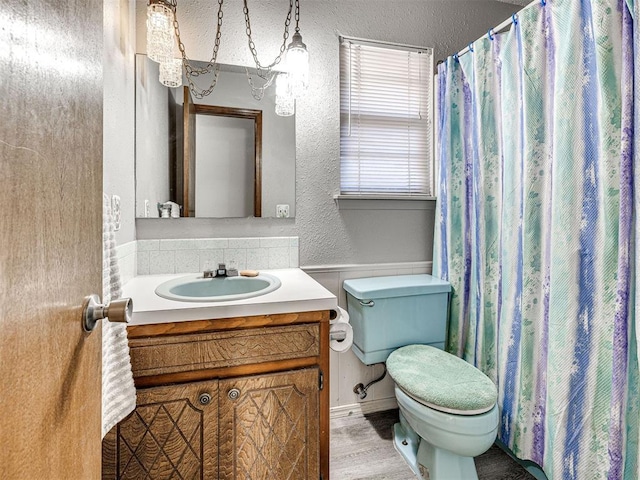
<point x="535" y="230"/>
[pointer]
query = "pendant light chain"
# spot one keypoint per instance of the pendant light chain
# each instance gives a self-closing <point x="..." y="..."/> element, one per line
<point x="191" y="71"/>
<point x="265" y="72"/>
<point x="252" y="45"/>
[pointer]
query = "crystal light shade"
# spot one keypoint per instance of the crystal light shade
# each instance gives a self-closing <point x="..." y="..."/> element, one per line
<point x="285" y="103"/>
<point x="171" y="73"/>
<point x="160" y="36"/>
<point x="297" y="65"/>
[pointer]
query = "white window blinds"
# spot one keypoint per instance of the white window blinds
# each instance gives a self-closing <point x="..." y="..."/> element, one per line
<point x="385" y="118"/>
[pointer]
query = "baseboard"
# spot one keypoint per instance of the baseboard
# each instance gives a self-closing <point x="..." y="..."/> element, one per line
<point x="363" y="408"/>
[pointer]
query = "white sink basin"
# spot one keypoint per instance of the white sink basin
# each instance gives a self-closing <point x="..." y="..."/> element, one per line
<point x="195" y="288"/>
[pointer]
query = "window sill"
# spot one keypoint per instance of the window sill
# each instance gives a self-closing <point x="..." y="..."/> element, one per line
<point x="385" y="202"/>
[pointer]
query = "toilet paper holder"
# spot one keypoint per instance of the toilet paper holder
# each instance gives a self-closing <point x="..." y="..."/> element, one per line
<point x="340" y="331"/>
<point x="339" y="336"/>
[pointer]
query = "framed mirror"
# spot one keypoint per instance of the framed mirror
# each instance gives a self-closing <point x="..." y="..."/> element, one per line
<point x="226" y="155"/>
<point x="221" y="168"/>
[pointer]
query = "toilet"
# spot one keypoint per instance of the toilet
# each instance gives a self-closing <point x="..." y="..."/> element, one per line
<point x="448" y="410"/>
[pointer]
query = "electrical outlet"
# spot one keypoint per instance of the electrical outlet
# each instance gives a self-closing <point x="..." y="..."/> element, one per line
<point x="282" y="211"/>
<point x="146" y="208"/>
<point x="116" y="211"/>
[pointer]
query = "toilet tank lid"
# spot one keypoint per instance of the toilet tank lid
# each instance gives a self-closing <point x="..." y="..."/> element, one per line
<point x="395" y="286"/>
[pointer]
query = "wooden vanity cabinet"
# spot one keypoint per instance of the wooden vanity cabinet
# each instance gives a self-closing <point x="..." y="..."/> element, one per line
<point x="242" y="398"/>
<point x="269" y="426"/>
<point x="170" y="434"/>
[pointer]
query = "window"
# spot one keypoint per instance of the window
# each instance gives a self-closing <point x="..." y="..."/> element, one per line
<point x="385" y="118"/>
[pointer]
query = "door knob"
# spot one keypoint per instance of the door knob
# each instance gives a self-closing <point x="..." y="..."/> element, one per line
<point x="119" y="310"/>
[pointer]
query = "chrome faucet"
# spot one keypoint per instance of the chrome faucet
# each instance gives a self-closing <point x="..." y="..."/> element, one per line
<point x="221" y="271"/>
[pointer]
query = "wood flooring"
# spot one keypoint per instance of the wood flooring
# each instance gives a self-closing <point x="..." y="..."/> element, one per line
<point x="362" y="449"/>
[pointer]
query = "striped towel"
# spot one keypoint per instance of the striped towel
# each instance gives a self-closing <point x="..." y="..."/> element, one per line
<point x="118" y="390"/>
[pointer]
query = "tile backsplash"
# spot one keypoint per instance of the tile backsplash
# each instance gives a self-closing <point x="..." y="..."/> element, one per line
<point x="126" y="261"/>
<point x="199" y="254"/>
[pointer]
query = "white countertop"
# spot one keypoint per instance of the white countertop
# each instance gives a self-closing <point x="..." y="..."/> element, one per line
<point x="298" y="293"/>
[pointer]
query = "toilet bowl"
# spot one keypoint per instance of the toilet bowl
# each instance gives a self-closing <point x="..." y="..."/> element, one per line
<point x="448" y="410"/>
<point x="466" y="435"/>
<point x="438" y="445"/>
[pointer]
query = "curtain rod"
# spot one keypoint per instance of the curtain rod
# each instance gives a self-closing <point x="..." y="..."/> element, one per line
<point x="499" y="28"/>
<point x="491" y="32"/>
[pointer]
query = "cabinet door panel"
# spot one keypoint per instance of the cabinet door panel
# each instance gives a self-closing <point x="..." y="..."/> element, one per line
<point x="270" y="429"/>
<point x="170" y="434"/>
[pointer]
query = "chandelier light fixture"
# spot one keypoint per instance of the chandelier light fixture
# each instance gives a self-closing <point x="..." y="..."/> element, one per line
<point x="285" y="102"/>
<point x="163" y="33"/>
<point x="159" y="32"/>
<point x="297" y="61"/>
<point x="171" y="73"/>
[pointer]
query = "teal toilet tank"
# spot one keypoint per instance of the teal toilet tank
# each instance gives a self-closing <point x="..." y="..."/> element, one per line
<point x="390" y="312"/>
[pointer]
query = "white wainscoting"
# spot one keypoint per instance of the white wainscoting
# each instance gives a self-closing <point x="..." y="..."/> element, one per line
<point x="346" y="369"/>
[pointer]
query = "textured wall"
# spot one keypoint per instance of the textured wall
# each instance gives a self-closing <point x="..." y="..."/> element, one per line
<point x="118" y="112"/>
<point x="327" y="234"/>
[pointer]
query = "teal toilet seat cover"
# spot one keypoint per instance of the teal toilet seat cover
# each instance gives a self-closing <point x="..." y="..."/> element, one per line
<point x="441" y="380"/>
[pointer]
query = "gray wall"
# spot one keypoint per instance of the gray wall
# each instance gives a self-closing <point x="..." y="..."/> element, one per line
<point x="328" y="235"/>
<point x="152" y="138"/>
<point x="118" y="110"/>
<point x="225" y="164"/>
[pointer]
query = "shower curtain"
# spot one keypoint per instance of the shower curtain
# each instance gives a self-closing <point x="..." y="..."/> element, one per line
<point x="535" y="231"/>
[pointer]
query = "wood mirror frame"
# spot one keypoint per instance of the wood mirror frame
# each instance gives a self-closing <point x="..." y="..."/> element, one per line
<point x="190" y="111"/>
